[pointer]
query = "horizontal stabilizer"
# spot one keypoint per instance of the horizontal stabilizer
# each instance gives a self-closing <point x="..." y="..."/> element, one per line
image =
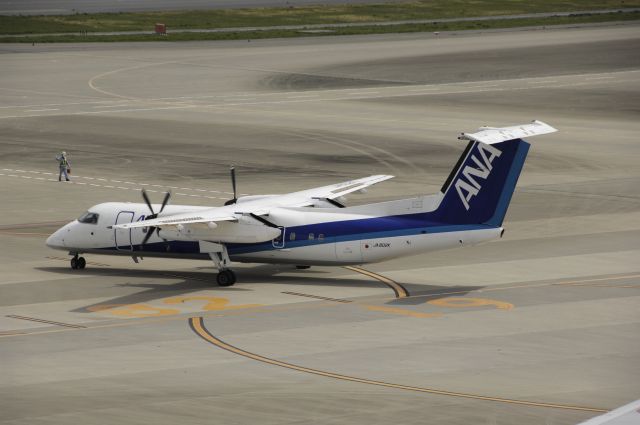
<point x="491" y="135"/>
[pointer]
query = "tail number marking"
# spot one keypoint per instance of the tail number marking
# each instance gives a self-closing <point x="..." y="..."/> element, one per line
<point x="466" y="185"/>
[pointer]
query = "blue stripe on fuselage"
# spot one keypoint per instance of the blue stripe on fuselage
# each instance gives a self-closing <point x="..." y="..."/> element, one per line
<point x="349" y="230"/>
<point x="335" y="231"/>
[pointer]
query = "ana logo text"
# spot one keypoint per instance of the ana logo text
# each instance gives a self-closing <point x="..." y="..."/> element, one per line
<point x="466" y="185"/>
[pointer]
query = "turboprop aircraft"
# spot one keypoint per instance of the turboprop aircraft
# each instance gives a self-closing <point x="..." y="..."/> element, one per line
<point x="312" y="227"/>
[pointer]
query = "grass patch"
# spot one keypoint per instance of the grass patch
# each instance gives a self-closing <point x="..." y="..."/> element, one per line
<point x="369" y="29"/>
<point x="265" y="17"/>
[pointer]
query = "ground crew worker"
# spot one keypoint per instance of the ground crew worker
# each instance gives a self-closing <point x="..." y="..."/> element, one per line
<point x="65" y="166"/>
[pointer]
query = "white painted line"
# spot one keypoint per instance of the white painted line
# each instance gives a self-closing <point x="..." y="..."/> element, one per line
<point x="110" y="106"/>
<point x="42" y="110"/>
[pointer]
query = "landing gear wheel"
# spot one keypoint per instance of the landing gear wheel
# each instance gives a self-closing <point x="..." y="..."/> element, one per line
<point x="81" y="263"/>
<point x="226" y="278"/>
<point x="74" y="263"/>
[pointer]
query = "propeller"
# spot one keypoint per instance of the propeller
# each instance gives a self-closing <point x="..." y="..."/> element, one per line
<point x="233" y="185"/>
<point x="153" y="214"/>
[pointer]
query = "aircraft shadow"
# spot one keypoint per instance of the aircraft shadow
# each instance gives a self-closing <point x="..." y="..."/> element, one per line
<point x="202" y="280"/>
<point x="424" y="293"/>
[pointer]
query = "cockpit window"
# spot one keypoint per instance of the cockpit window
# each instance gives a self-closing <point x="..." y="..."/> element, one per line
<point x="89" y="218"/>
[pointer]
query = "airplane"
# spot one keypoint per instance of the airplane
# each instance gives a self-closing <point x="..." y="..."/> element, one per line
<point x="313" y="227"/>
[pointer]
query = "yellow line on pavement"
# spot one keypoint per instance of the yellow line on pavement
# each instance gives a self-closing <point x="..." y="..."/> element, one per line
<point x="197" y="325"/>
<point x="399" y="290"/>
<point x="401" y="311"/>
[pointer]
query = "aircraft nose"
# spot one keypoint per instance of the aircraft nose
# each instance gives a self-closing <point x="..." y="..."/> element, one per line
<point x="55" y="240"/>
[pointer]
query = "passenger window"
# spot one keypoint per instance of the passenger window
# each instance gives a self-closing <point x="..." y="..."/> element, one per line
<point x="321" y="237"/>
<point x="89" y="218"/>
<point x="292" y="236"/>
<point x="311" y="236"/>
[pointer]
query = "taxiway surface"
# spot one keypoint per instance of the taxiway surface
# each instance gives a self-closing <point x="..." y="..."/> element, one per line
<point x="540" y="327"/>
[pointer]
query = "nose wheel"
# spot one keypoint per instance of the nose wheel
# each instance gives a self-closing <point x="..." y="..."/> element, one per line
<point x="78" y="263"/>
<point x="226" y="278"/>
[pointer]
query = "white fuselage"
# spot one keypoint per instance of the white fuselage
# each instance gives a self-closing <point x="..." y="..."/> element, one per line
<point x="307" y="236"/>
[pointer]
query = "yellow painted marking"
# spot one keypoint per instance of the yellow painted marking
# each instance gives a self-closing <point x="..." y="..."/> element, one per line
<point x="401" y="311"/>
<point x="399" y="290"/>
<point x="214" y="303"/>
<point x="133" y="310"/>
<point x="469" y="302"/>
<point x="197" y="324"/>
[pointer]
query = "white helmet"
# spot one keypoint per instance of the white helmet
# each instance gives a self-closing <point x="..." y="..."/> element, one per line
<point x="64" y="153"/>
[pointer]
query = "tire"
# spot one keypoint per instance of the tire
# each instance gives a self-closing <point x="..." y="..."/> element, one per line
<point x="74" y="263"/>
<point x="226" y="278"/>
<point x="81" y="263"/>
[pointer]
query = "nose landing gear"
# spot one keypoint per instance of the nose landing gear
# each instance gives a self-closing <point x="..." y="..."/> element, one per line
<point x="78" y="262"/>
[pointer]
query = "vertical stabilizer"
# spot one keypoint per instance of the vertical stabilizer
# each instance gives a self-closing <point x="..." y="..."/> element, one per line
<point x="480" y="186"/>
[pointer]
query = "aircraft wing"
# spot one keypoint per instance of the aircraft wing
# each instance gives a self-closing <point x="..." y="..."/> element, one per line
<point x="334" y="191"/>
<point x="176" y="219"/>
<point x="259" y="206"/>
<point x="629" y="414"/>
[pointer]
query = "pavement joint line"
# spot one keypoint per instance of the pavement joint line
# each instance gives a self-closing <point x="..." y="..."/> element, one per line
<point x="49" y="322"/>
<point x="23" y="233"/>
<point x="197" y="326"/>
<point x="299" y="294"/>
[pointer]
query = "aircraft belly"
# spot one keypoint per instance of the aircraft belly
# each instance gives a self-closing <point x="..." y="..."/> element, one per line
<point x="380" y="249"/>
<point x="322" y="253"/>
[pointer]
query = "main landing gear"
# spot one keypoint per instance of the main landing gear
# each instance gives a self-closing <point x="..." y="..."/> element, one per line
<point x="226" y="277"/>
<point x="220" y="257"/>
<point x="78" y="262"/>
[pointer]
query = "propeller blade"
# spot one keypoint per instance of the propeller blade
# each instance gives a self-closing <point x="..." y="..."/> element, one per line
<point x="150" y="231"/>
<point x="147" y="201"/>
<point x="165" y="201"/>
<point x="233" y="182"/>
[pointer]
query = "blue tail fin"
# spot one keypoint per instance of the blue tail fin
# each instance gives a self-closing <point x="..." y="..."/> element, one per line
<point x="479" y="188"/>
